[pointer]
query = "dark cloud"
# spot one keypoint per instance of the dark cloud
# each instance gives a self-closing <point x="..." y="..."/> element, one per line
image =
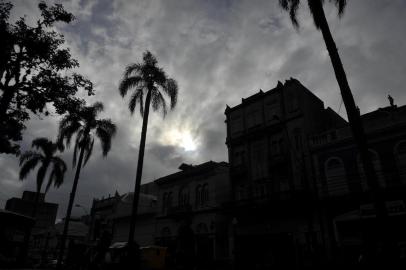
<point x="219" y="52"/>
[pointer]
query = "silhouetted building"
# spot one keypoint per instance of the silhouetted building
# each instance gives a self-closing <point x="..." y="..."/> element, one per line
<point x="191" y="201"/>
<point x="145" y="223"/>
<point x="346" y="205"/>
<point x="300" y="197"/>
<point x="112" y="214"/>
<point x="272" y="210"/>
<point x="99" y="213"/>
<point x="14" y="228"/>
<point x="46" y="211"/>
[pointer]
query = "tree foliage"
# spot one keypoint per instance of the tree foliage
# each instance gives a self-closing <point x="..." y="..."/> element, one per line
<point x="33" y="77"/>
<point x="43" y="154"/>
<point x="147" y="76"/>
<point x="293" y="5"/>
<point x="83" y="123"/>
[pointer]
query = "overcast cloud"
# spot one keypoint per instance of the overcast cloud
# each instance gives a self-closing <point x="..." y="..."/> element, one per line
<point x="218" y="51"/>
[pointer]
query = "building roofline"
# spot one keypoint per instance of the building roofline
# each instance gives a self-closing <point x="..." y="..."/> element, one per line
<point x="191" y="171"/>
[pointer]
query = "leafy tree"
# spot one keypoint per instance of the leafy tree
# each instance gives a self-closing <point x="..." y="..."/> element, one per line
<point x="83" y="123"/>
<point x="149" y="81"/>
<point x="33" y="65"/>
<point x="46" y="158"/>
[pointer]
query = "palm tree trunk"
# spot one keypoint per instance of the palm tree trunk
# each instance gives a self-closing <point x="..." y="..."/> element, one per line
<point x="353" y="113"/>
<point x="69" y="211"/>
<point x="139" y="170"/>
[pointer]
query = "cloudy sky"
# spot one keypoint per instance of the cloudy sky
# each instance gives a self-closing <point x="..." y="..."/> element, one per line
<point x="218" y="51"/>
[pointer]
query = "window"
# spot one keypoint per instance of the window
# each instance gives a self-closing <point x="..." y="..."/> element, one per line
<point x="169" y="200"/>
<point x="202" y="195"/>
<point x="336" y="176"/>
<point x="400" y="155"/>
<point x="205" y="194"/>
<point x="166" y="201"/>
<point x="238" y="156"/>
<point x="184" y="196"/>
<point x="164" y="198"/>
<point x="198" y="195"/>
<point x="258" y="160"/>
<point x="377" y="167"/>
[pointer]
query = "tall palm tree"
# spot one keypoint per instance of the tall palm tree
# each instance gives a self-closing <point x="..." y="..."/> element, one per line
<point x="84" y="124"/>
<point x="149" y="81"/>
<point x="353" y="114"/>
<point x="47" y="159"/>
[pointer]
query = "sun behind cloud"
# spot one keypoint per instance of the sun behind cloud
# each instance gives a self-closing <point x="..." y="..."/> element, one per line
<point x="182" y="138"/>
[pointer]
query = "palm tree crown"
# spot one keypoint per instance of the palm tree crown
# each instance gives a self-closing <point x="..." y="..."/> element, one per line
<point x="83" y="123"/>
<point x="46" y="156"/>
<point x="148" y="77"/>
<point x="292" y="6"/>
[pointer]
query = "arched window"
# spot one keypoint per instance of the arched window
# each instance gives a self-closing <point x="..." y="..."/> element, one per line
<point x="336" y="176"/>
<point x="169" y="200"/>
<point x="164" y="200"/>
<point x="201" y="228"/>
<point x="198" y="194"/>
<point x="205" y="194"/>
<point x="377" y="167"/>
<point x="400" y="155"/>
<point x="184" y="196"/>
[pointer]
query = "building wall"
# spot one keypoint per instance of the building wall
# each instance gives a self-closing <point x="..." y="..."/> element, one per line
<point x="46" y="212"/>
<point x="207" y="222"/>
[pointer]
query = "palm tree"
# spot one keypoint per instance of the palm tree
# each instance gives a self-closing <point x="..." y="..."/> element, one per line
<point x="85" y="125"/>
<point x="353" y="114"/>
<point x="150" y="81"/>
<point x="47" y="158"/>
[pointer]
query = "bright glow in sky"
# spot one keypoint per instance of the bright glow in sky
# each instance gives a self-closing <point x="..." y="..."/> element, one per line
<point x="182" y="138"/>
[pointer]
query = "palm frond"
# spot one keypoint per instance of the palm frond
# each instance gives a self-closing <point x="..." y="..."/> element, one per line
<point x="88" y="151"/>
<point x="44" y="144"/>
<point x="340" y="4"/>
<point x="68" y="126"/>
<point x="29" y="155"/>
<point x="97" y="108"/>
<point x="57" y="174"/>
<point x="105" y="131"/>
<point x="171" y="89"/>
<point x="137" y="96"/>
<point x="50" y="180"/>
<point x="28" y="162"/>
<point x="132" y="69"/>
<point x="128" y="83"/>
<point x="158" y="102"/>
<point x="292" y="6"/>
